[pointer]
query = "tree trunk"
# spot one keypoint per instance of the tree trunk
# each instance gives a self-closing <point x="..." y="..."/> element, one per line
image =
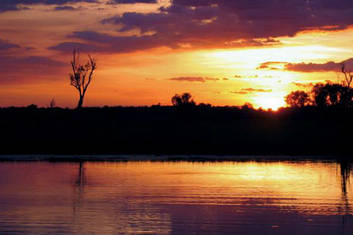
<point x="80" y="102"/>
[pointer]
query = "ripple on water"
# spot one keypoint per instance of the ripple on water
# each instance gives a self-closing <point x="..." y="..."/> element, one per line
<point x="175" y="198"/>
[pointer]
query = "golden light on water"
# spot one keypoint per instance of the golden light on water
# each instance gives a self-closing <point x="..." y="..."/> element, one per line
<point x="160" y="197"/>
<point x="229" y="178"/>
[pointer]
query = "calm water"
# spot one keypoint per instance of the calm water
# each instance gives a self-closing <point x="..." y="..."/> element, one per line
<point x="176" y="198"/>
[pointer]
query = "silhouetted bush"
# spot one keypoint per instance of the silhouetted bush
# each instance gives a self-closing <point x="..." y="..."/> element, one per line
<point x="183" y="100"/>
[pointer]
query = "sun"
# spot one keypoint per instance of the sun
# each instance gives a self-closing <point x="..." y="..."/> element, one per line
<point x="269" y="102"/>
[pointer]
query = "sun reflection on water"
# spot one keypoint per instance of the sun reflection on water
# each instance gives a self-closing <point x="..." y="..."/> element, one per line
<point x="175" y="197"/>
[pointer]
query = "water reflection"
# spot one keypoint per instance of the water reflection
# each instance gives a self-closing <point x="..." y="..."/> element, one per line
<point x="80" y="182"/>
<point x="79" y="187"/>
<point x="346" y="171"/>
<point x="176" y="198"/>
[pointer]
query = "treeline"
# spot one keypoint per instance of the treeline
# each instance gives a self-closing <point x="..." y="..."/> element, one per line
<point x="196" y="129"/>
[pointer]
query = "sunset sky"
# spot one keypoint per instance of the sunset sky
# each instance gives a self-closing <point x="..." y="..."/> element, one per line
<point x="224" y="52"/>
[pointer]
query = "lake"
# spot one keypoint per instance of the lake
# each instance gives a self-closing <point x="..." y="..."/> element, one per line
<point x="248" y="197"/>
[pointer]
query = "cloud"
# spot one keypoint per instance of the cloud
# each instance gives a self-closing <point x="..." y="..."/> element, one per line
<point x="303" y="85"/>
<point x="193" y="79"/>
<point x="65" y="8"/>
<point x="307" y="67"/>
<point x="256" y="90"/>
<point x="14" y="5"/>
<point x="131" y="1"/>
<point x="70" y="46"/>
<point x="251" y="76"/>
<point x="245" y="91"/>
<point x="4" y="45"/>
<point x="28" y="68"/>
<point x="99" y="42"/>
<point x="194" y="3"/>
<point x="219" y="24"/>
<point x="240" y="92"/>
<point x="212" y="79"/>
<point x="313" y="67"/>
<point x="272" y="65"/>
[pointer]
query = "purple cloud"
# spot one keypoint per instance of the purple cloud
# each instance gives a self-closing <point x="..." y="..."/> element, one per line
<point x="70" y="46"/>
<point x="12" y="5"/>
<point x="307" y="67"/>
<point x="4" y="45"/>
<point x="312" y="67"/>
<point x="28" y="68"/>
<point x="219" y="24"/>
<point x="97" y="42"/>
<point x="131" y="1"/>
<point x="65" y="8"/>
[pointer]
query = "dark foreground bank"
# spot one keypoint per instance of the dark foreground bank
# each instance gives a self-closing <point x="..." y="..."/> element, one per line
<point x="171" y="130"/>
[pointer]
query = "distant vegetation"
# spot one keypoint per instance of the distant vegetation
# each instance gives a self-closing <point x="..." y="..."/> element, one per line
<point x="322" y="95"/>
<point x="325" y="94"/>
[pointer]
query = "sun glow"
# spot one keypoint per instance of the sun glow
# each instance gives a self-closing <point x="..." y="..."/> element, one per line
<point x="271" y="101"/>
<point x="251" y="57"/>
<point x="246" y="82"/>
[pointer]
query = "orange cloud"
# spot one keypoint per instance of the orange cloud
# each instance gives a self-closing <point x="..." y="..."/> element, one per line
<point x="193" y="79"/>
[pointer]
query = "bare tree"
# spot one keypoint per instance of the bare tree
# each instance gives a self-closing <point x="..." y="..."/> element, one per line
<point x="348" y="75"/>
<point x="52" y="103"/>
<point x="81" y="75"/>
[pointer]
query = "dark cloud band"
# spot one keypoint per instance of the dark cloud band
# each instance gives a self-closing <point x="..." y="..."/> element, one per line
<point x="131" y="1"/>
<point x="12" y="5"/>
<point x="217" y="24"/>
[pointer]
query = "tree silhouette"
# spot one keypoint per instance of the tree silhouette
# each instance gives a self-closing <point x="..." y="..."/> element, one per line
<point x="52" y="103"/>
<point x="332" y="94"/>
<point x="183" y="100"/>
<point x="320" y="94"/>
<point x="81" y="75"/>
<point x="298" y="99"/>
<point x="348" y="75"/>
<point x="335" y="93"/>
<point x="247" y="106"/>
